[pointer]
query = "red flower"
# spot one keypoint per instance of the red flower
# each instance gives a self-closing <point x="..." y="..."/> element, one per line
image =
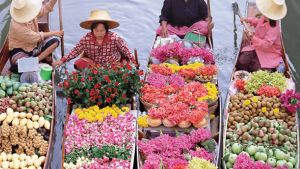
<point x="75" y="79"/>
<point x="112" y="95"/>
<point x="106" y="78"/>
<point x="76" y="91"/>
<point x="95" y="71"/>
<point x="90" y="78"/>
<point x="75" y="73"/>
<point x="108" y="100"/>
<point x="66" y="84"/>
<point x="240" y="85"/>
<point x="60" y="84"/>
<point x="128" y="66"/>
<point x="124" y="96"/>
<point x="69" y="100"/>
<point x="87" y="90"/>
<point x="82" y="79"/>
<point x="117" y="83"/>
<point x="140" y="72"/>
<point x="109" y="89"/>
<point x="97" y="86"/>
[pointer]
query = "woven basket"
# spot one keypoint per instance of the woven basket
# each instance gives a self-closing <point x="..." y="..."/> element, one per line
<point x="198" y="78"/>
<point x="147" y="105"/>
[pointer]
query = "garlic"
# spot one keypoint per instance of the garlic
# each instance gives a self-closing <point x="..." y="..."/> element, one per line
<point x="36" y="125"/>
<point x="29" y="124"/>
<point x="9" y="110"/>
<point x="22" y="115"/>
<point x="16" y="114"/>
<point x="41" y="121"/>
<point x="47" y="125"/>
<point x="23" y="122"/>
<point x="3" y="117"/>
<point x="29" y="115"/>
<point x="15" y="122"/>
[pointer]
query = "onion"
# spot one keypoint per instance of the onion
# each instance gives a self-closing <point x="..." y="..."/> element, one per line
<point x="184" y="124"/>
<point x="154" y="122"/>
<point x="168" y="123"/>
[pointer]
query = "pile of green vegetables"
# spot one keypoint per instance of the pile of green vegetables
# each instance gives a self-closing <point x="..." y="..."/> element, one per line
<point x="261" y="78"/>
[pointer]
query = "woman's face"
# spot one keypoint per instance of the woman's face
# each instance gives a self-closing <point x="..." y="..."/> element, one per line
<point x="99" y="31"/>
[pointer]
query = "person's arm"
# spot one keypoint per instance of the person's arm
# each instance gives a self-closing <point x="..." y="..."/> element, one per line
<point x="253" y="21"/>
<point x="164" y="17"/>
<point x="48" y="7"/>
<point x="268" y="41"/>
<point x="77" y="50"/>
<point x="124" y="49"/>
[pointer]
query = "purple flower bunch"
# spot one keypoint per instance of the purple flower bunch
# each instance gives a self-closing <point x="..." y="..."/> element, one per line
<point x="160" y="81"/>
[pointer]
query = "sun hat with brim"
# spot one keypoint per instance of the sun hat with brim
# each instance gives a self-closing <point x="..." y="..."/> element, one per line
<point x="99" y="16"/>
<point x="273" y="9"/>
<point x="23" y="11"/>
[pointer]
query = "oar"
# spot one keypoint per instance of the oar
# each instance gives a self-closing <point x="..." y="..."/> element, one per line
<point x="61" y="28"/>
<point x="136" y="58"/>
<point x="237" y="11"/>
<point x="209" y="22"/>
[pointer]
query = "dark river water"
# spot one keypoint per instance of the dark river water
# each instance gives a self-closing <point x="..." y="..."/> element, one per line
<point x="139" y="19"/>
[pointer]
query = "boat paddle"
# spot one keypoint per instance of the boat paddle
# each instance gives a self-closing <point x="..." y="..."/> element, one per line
<point x="237" y="12"/>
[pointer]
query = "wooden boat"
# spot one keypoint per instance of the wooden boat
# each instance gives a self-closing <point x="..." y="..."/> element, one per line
<point x="43" y="24"/>
<point x="252" y="11"/>
<point x="215" y="124"/>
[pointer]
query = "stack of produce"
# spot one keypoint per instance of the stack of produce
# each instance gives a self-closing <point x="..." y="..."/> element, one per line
<point x="172" y="101"/>
<point x="24" y="137"/>
<point x="9" y="84"/>
<point x="192" y="151"/>
<point x="99" y="138"/>
<point x="261" y="128"/>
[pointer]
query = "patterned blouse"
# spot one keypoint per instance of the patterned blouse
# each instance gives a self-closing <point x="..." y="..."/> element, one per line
<point x="111" y="50"/>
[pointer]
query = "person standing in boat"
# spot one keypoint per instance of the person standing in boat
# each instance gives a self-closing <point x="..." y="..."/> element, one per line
<point x="182" y="16"/>
<point x="265" y="49"/>
<point x="25" y="39"/>
<point x="100" y="46"/>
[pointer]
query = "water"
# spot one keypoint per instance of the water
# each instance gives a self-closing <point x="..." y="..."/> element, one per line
<point x="139" y="20"/>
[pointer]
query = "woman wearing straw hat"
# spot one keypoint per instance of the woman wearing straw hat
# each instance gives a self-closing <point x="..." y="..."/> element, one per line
<point x="100" y="46"/>
<point x="265" y="51"/>
<point x="24" y="37"/>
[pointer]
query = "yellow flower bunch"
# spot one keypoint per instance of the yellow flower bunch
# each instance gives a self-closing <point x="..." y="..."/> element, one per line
<point x="212" y="92"/>
<point x="175" y="68"/>
<point x="197" y="163"/>
<point x="263" y="109"/>
<point x="254" y="99"/>
<point x="142" y="121"/>
<point x="93" y="113"/>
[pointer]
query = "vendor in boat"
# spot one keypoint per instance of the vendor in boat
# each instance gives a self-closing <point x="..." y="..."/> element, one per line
<point x="25" y="39"/>
<point x="100" y="46"/>
<point x="182" y="16"/>
<point x="265" y="49"/>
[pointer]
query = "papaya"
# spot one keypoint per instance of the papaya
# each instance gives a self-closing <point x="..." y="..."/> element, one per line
<point x="9" y="91"/>
<point x="2" y="93"/>
<point x="3" y="85"/>
<point x="9" y="84"/>
<point x="16" y="85"/>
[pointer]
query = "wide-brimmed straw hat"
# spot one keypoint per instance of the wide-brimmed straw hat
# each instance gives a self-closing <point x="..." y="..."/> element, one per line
<point x="273" y="9"/>
<point x="99" y="16"/>
<point x="23" y="11"/>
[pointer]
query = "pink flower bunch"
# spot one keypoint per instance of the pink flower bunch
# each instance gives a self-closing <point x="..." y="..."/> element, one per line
<point x="168" y="150"/>
<point x="107" y="164"/>
<point x="290" y="100"/>
<point x="177" y="50"/>
<point x="112" y="131"/>
<point x="243" y="161"/>
<point x="158" y="80"/>
<point x="202" y="153"/>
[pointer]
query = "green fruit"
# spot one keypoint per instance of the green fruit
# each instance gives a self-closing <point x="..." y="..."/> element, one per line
<point x="272" y="162"/>
<point x="229" y="165"/>
<point x="22" y="89"/>
<point x="261" y="156"/>
<point x="237" y="148"/>
<point x="9" y="91"/>
<point x="232" y="158"/>
<point x="279" y="155"/>
<point x="3" y="85"/>
<point x="9" y="84"/>
<point x="270" y="153"/>
<point x="252" y="149"/>
<point x="293" y="160"/>
<point x="290" y="165"/>
<point x="2" y="93"/>
<point x="16" y="86"/>
<point x="280" y="163"/>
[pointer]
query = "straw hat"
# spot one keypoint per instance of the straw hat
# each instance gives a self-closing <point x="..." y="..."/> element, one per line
<point x="99" y="16"/>
<point x="273" y="9"/>
<point x="24" y="11"/>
